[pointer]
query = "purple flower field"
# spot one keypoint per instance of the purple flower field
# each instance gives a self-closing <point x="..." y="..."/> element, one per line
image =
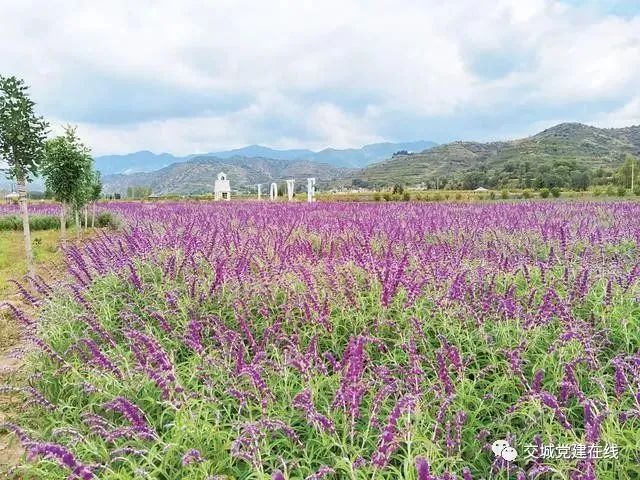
<point x="341" y="341"/>
<point x="37" y="208"/>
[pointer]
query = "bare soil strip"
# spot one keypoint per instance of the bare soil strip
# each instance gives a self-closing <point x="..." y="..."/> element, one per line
<point x="11" y="363"/>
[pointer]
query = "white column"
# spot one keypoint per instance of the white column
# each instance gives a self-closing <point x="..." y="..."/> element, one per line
<point x="259" y="191"/>
<point x="273" y="191"/>
<point x="311" y="189"/>
<point x="290" y="185"/>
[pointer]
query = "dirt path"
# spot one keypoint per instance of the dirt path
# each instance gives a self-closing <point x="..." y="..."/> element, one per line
<point x="11" y="363"/>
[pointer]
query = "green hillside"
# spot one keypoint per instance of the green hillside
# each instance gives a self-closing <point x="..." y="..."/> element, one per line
<point x="553" y="157"/>
<point x="197" y="176"/>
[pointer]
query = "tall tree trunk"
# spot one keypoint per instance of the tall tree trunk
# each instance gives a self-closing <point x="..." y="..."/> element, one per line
<point x="78" y="225"/>
<point x="63" y="221"/>
<point x="86" y="217"/>
<point x="93" y="215"/>
<point x="24" y="209"/>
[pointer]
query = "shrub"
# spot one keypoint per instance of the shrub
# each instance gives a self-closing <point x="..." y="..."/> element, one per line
<point x="504" y="194"/>
<point x="44" y="223"/>
<point x="621" y="192"/>
<point x="526" y="194"/>
<point x="636" y="190"/>
<point x="458" y="196"/>
<point x="376" y="197"/>
<point x="387" y="197"/>
<point x="11" y="222"/>
<point x="36" y="222"/>
<point x="406" y="196"/>
<point x="107" y="220"/>
<point x="611" y="191"/>
<point x="544" y="193"/>
<point x="555" y="192"/>
<point x="597" y="192"/>
<point x="492" y="195"/>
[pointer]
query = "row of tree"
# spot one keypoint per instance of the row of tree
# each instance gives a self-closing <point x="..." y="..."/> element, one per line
<point x="64" y="161"/>
<point x="556" y="173"/>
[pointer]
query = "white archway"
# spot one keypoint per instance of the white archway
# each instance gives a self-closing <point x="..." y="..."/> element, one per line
<point x="311" y="189"/>
<point x="290" y="189"/>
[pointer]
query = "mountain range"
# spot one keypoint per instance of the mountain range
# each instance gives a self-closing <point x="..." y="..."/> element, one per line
<point x="197" y="175"/>
<point x="585" y="146"/>
<point x="557" y="151"/>
<point x="568" y="145"/>
<point x="146" y="161"/>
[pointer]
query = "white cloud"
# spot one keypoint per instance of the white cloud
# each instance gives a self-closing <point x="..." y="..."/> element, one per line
<point x="316" y="74"/>
<point x="628" y="114"/>
<point x="321" y="125"/>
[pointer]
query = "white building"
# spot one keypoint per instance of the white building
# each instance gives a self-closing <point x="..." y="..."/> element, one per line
<point x="222" y="188"/>
<point x="12" y="197"/>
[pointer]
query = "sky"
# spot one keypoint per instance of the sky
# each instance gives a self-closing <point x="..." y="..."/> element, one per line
<point x="197" y="76"/>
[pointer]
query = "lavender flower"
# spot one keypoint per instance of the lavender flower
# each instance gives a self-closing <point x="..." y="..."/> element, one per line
<point x="192" y="456"/>
<point x="321" y="473"/>
<point x="63" y="456"/>
<point x="304" y="402"/>
<point x="424" y="472"/>
<point x="388" y="441"/>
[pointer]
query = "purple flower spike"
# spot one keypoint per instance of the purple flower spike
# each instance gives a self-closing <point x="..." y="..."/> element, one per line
<point x="424" y="471"/>
<point x="192" y="456"/>
<point x="61" y="455"/>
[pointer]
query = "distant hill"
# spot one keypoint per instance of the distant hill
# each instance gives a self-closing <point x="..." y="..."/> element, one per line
<point x="146" y="161"/>
<point x="574" y="144"/>
<point x="143" y="161"/>
<point x="198" y="174"/>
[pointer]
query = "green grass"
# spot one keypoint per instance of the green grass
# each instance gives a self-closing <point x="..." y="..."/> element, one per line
<point x="12" y="257"/>
<point x="45" y="240"/>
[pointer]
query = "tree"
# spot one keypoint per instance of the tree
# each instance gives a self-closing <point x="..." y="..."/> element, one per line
<point x="96" y="192"/>
<point x="580" y="180"/>
<point x="627" y="174"/>
<point x="138" y="191"/>
<point x="68" y="170"/>
<point x="83" y="197"/>
<point x="473" y="180"/>
<point x="359" y="183"/>
<point x="22" y="136"/>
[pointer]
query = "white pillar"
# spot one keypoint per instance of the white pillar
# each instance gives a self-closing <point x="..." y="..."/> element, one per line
<point x="259" y="191"/>
<point x="273" y="191"/>
<point x="311" y="189"/>
<point x="290" y="185"/>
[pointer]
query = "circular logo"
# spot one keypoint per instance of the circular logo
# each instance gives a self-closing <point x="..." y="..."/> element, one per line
<point x="501" y="448"/>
